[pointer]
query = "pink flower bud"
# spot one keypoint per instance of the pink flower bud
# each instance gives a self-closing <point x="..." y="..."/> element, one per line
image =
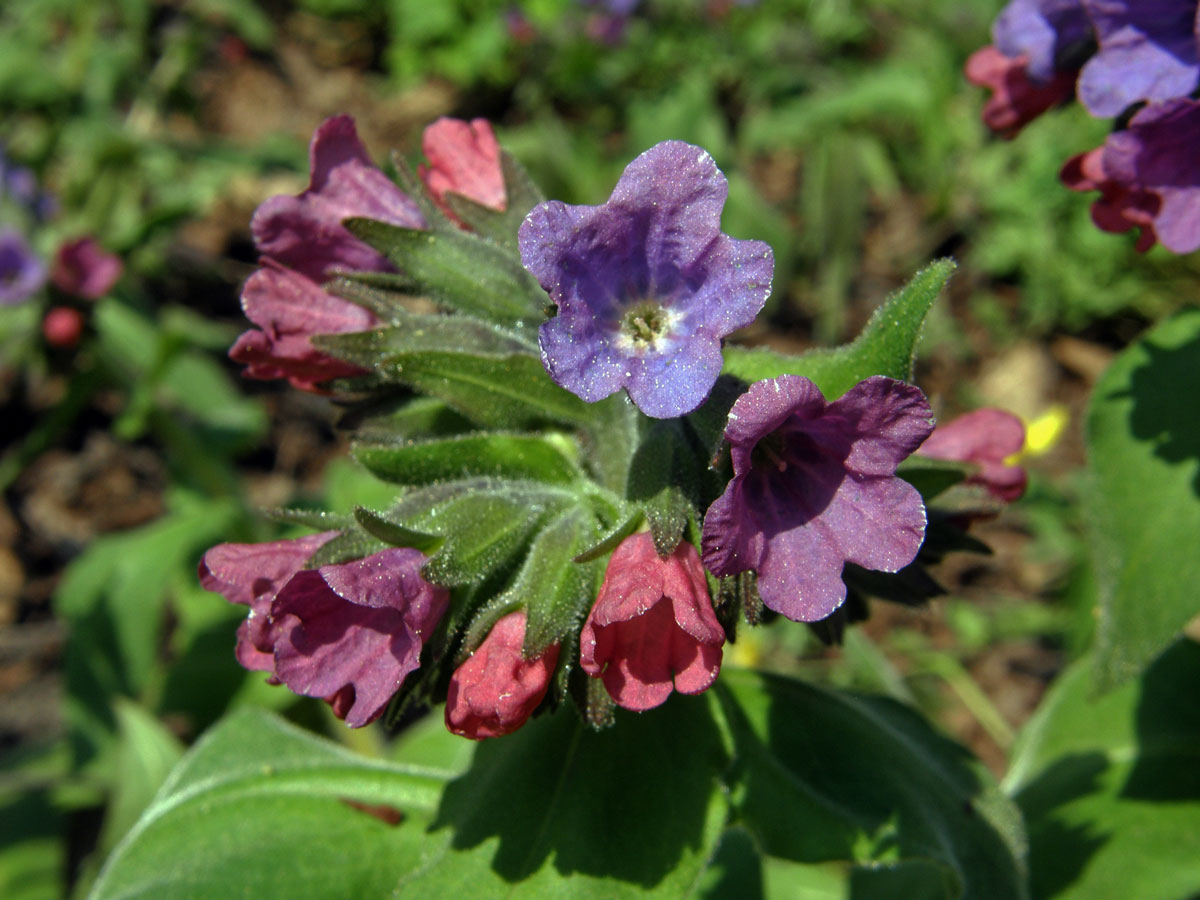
<point x="652" y="629"/>
<point x="986" y="437"/>
<point x="62" y="327"/>
<point x="464" y="159"/>
<point x="494" y="692"/>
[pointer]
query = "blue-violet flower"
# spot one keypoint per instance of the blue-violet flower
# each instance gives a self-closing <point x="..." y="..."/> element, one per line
<point x="1148" y="51"/>
<point x="21" y="272"/>
<point x="814" y="487"/>
<point x="646" y="284"/>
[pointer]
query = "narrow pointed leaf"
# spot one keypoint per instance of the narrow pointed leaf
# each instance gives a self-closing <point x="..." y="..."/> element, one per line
<point x="886" y="346"/>
<point x="461" y="271"/>
<point x="469" y="456"/>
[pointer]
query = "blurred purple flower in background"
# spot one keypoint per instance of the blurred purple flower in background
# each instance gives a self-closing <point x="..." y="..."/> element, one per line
<point x="22" y="274"/>
<point x="1148" y="175"/>
<point x="1147" y="51"/>
<point x="1052" y="35"/>
<point x="646" y="284"/>
<point x="83" y="269"/>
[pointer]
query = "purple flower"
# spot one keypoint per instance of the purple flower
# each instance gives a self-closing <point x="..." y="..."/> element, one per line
<point x="82" y="268"/>
<point x="1051" y="34"/>
<point x="305" y="232"/>
<point x="353" y="631"/>
<point x="646" y="285"/>
<point x="1148" y="176"/>
<point x="289" y="308"/>
<point x="814" y="487"/>
<point x="251" y="575"/>
<point x="21" y="273"/>
<point x="1016" y="100"/>
<point x="1148" y="51"/>
<point x="346" y="633"/>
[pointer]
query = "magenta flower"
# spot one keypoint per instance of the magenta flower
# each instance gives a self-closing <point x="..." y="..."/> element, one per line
<point x="1016" y="99"/>
<point x="82" y="268"/>
<point x="251" y="575"/>
<point x="495" y="691"/>
<point x="289" y="308"/>
<point x="464" y="158"/>
<point x="21" y="272"/>
<point x="351" y="632"/>
<point x="1148" y="175"/>
<point x="1148" y="52"/>
<point x="814" y="487"/>
<point x="985" y="437"/>
<point x="652" y="629"/>
<point x="646" y="285"/>
<point x="1053" y="36"/>
<point x="305" y="232"/>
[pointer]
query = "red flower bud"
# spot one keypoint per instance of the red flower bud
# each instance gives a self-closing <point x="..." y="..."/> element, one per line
<point x="497" y="689"/>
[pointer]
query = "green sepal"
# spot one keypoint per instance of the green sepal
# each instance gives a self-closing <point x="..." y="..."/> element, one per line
<point x="347" y="546"/>
<point x="886" y="346"/>
<point x="558" y="591"/>
<point x="379" y="526"/>
<point x="932" y="477"/>
<point x="613" y="538"/>
<point x="485" y="523"/>
<point x="519" y="456"/>
<point x="668" y="513"/>
<point x="460" y="271"/>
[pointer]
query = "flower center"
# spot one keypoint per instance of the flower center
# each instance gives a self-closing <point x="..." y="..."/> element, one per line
<point x="644" y="323"/>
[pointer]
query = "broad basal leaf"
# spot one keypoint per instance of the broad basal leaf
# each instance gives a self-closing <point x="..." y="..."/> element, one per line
<point x="1143" y="435"/>
<point x="824" y="776"/>
<point x="1110" y="785"/>
<point x="261" y="809"/>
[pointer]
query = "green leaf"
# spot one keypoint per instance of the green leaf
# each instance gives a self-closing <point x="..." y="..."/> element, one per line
<point x="146" y="752"/>
<point x="512" y="392"/>
<point x="1110" y="785"/>
<point x="825" y="776"/>
<point x="484" y="523"/>
<point x="459" y="270"/>
<point x="555" y="589"/>
<point x="419" y="333"/>
<point x="559" y="811"/>
<point x="396" y="535"/>
<point x="261" y="809"/>
<point x="470" y="456"/>
<point x="886" y="346"/>
<point x="1143" y="436"/>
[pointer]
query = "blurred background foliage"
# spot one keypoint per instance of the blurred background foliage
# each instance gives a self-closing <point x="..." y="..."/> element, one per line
<point x="853" y="146"/>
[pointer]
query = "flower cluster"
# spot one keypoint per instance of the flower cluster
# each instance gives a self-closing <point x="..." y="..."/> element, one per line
<point x="1115" y="56"/>
<point x="645" y="289"/>
<point x="81" y="270"/>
